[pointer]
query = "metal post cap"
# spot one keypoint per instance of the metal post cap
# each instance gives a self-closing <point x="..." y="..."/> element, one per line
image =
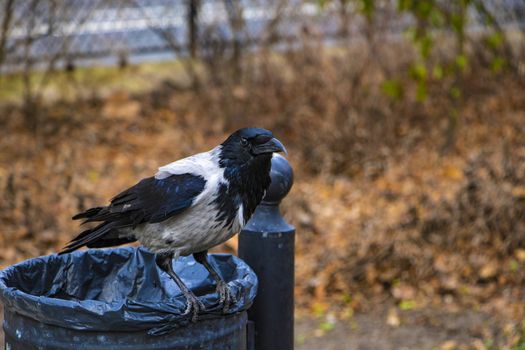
<point x="282" y="180"/>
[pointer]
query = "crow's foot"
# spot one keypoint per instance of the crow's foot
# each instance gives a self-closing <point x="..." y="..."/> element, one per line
<point x="226" y="298"/>
<point x="194" y="306"/>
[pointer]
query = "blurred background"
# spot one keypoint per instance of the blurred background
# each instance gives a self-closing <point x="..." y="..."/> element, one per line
<point x="404" y="121"/>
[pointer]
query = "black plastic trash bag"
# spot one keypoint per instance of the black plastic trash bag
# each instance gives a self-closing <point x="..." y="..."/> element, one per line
<point x="119" y="289"/>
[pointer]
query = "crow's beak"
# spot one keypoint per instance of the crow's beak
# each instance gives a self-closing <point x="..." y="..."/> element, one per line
<point x="271" y="146"/>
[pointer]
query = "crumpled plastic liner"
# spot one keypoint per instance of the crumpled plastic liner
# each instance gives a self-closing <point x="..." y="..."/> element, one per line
<point x="119" y="289"/>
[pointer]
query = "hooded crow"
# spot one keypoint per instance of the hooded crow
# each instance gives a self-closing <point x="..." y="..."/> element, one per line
<point x="188" y="207"/>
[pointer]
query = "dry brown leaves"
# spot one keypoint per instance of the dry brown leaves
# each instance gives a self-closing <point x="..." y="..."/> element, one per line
<point x="412" y="225"/>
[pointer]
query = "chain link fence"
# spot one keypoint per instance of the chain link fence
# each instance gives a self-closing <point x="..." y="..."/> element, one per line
<point x="58" y="32"/>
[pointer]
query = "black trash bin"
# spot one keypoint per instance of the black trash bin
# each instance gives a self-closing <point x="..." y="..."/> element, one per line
<point x="119" y="299"/>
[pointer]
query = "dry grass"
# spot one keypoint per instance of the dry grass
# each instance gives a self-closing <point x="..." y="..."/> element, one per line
<point x="380" y="210"/>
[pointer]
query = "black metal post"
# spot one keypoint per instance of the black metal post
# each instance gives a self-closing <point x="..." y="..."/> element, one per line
<point x="267" y="245"/>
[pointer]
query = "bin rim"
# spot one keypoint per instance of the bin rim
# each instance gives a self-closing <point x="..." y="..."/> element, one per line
<point x="125" y="314"/>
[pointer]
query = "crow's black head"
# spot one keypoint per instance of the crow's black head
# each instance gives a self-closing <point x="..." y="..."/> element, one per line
<point x="246" y="157"/>
<point x="249" y="145"/>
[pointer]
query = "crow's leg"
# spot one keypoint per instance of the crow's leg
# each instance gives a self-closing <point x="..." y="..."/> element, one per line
<point x="226" y="296"/>
<point x="164" y="261"/>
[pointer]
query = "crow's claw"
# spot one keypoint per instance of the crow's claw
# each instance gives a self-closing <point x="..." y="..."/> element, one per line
<point x="225" y="296"/>
<point x="194" y="306"/>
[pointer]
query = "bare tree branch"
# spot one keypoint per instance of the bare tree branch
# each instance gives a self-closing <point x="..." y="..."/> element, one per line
<point x="5" y="29"/>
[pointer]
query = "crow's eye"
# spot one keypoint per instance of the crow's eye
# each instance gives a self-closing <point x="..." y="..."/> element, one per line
<point x="244" y="142"/>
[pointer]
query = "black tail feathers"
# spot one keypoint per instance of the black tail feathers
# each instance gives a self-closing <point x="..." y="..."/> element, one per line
<point x="88" y="213"/>
<point x="88" y="236"/>
<point x="106" y="234"/>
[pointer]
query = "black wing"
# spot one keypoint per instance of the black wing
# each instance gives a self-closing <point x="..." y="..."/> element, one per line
<point x="149" y="201"/>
